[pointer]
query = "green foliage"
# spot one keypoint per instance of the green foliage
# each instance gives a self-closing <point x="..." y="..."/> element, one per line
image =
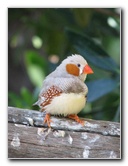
<point x="35" y="35"/>
<point x="25" y="99"/>
<point x="36" y="67"/>
<point x="92" y="51"/>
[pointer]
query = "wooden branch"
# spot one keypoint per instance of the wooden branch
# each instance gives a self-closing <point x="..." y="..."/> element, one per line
<point x="28" y="137"/>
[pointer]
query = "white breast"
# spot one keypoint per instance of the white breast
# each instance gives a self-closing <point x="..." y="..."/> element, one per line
<point x="66" y="104"/>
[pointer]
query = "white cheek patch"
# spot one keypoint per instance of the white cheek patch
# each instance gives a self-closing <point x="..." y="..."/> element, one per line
<point x="81" y="71"/>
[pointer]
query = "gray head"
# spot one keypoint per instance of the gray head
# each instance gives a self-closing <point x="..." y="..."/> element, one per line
<point x="73" y="66"/>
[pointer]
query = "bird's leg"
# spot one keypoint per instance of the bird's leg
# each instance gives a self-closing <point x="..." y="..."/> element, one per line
<point x="47" y="120"/>
<point x="77" y="119"/>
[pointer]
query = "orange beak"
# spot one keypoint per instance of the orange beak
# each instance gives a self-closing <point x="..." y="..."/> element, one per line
<point x="88" y="70"/>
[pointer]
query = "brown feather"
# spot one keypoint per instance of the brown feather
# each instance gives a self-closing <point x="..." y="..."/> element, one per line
<point x="50" y="94"/>
<point x="72" y="69"/>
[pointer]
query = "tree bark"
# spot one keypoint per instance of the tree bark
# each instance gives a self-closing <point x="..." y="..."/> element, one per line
<point x="28" y="137"/>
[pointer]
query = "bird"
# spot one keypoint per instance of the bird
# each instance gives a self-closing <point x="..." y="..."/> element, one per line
<point x="63" y="91"/>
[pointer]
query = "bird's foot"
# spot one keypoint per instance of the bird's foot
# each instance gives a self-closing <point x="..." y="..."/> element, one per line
<point x="47" y="120"/>
<point x="77" y="119"/>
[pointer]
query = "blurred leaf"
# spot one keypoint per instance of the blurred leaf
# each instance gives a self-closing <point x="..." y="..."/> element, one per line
<point x="100" y="88"/>
<point x="36" y="67"/>
<point x="92" y="51"/>
<point x="110" y="105"/>
<point x="33" y="57"/>
<point x="112" y="45"/>
<point x="36" y="74"/>
<point x="26" y="96"/>
<point x="15" y="100"/>
<point x="24" y="100"/>
<point x="36" y="94"/>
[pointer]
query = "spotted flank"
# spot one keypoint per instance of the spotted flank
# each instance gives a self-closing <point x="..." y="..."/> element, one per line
<point x="50" y="94"/>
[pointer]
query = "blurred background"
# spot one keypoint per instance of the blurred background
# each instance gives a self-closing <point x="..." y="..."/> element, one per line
<point x="40" y="38"/>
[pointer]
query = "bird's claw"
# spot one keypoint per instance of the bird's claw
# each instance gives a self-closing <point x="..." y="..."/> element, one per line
<point x="77" y="119"/>
<point x="47" y="120"/>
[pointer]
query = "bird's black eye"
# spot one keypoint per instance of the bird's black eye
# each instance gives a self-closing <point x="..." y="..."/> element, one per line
<point x="78" y="65"/>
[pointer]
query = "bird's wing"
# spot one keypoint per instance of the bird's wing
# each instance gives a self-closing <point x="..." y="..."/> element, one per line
<point x="47" y="96"/>
<point x="67" y="85"/>
<point x="54" y="87"/>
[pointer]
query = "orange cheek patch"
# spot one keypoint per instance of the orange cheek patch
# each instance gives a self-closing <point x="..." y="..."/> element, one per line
<point x="72" y="69"/>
